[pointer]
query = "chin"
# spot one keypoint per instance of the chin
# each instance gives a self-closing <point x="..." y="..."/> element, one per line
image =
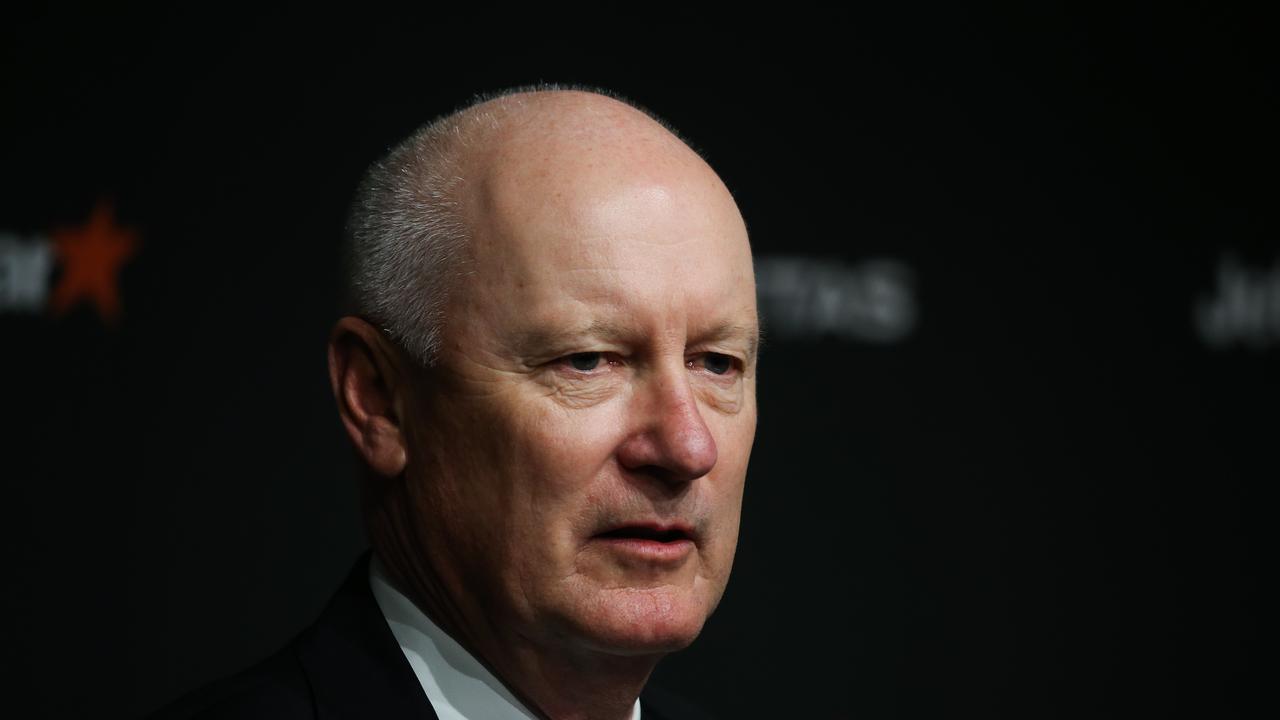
<point x="643" y="621"/>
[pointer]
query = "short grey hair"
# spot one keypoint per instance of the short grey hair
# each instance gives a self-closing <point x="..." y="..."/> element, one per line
<point x="405" y="233"/>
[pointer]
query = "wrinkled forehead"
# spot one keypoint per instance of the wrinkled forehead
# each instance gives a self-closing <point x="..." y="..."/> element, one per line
<point x="573" y="184"/>
<point x="579" y="218"/>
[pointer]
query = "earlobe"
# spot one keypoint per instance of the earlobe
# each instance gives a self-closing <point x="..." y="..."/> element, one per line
<point x="384" y="448"/>
<point x="365" y="381"/>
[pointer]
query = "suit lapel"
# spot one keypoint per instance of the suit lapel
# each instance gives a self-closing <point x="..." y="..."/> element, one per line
<point x="353" y="662"/>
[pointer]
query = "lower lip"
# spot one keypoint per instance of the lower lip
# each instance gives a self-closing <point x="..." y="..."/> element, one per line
<point x="651" y="550"/>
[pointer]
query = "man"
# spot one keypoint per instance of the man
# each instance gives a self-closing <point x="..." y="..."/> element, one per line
<point x="549" y="374"/>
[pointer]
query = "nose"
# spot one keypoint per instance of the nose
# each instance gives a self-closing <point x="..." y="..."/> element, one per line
<point x="670" y="441"/>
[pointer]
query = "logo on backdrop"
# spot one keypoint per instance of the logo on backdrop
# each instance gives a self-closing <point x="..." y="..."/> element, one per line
<point x="1243" y="308"/>
<point x="800" y="297"/>
<point x="89" y="255"/>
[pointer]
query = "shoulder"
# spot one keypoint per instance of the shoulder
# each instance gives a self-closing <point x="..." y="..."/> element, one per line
<point x="275" y="688"/>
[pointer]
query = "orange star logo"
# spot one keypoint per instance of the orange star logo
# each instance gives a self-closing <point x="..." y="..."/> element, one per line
<point x="91" y="257"/>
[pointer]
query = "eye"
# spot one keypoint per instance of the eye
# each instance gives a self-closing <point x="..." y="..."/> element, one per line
<point x="585" y="362"/>
<point x="717" y="363"/>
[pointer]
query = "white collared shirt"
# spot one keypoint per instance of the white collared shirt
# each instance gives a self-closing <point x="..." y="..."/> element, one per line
<point x="458" y="686"/>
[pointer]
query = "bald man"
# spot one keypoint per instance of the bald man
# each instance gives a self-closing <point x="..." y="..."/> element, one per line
<point x="548" y="373"/>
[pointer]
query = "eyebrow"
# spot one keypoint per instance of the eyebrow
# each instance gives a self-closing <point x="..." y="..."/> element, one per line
<point x="538" y="341"/>
<point x="750" y="334"/>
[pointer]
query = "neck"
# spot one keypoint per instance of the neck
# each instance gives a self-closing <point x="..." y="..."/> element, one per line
<point x="553" y="682"/>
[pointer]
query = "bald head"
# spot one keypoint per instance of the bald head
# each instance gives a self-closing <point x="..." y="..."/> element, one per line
<point x="516" y="157"/>
<point x="593" y="373"/>
<point x="563" y="122"/>
<point x="551" y="147"/>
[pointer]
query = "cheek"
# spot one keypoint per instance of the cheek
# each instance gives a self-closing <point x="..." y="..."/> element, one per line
<point x="562" y="484"/>
<point x="735" y="435"/>
<point x="559" y="467"/>
<point x="566" y="448"/>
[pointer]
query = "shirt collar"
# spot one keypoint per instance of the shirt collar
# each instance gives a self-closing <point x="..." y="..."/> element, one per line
<point x="458" y="686"/>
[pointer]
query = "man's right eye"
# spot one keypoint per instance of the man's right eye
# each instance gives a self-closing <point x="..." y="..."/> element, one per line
<point x="585" y="362"/>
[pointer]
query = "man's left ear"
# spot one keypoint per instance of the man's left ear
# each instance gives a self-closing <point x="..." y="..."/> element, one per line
<point x="366" y="375"/>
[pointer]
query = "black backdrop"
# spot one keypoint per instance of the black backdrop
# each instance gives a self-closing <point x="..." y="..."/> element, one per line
<point x="1018" y="400"/>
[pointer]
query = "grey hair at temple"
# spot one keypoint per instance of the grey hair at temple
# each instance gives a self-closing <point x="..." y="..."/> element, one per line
<point x="405" y="236"/>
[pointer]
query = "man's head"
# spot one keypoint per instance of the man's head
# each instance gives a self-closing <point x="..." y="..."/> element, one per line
<point x="558" y="451"/>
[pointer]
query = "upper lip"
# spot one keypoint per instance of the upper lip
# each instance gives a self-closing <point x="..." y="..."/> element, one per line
<point x="653" y="530"/>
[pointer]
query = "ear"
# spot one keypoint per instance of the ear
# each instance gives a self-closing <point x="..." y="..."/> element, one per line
<point x="365" y="371"/>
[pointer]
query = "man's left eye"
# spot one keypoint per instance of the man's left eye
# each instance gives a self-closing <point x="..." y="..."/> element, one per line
<point x="585" y="361"/>
<point x="718" y="363"/>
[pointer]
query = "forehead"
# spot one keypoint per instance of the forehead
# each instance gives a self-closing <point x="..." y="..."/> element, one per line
<point x="643" y="230"/>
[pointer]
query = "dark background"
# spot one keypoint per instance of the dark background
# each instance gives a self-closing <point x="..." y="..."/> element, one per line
<point x="1047" y="500"/>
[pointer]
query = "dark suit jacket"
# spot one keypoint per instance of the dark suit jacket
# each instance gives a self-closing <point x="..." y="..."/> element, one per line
<point x="346" y="665"/>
